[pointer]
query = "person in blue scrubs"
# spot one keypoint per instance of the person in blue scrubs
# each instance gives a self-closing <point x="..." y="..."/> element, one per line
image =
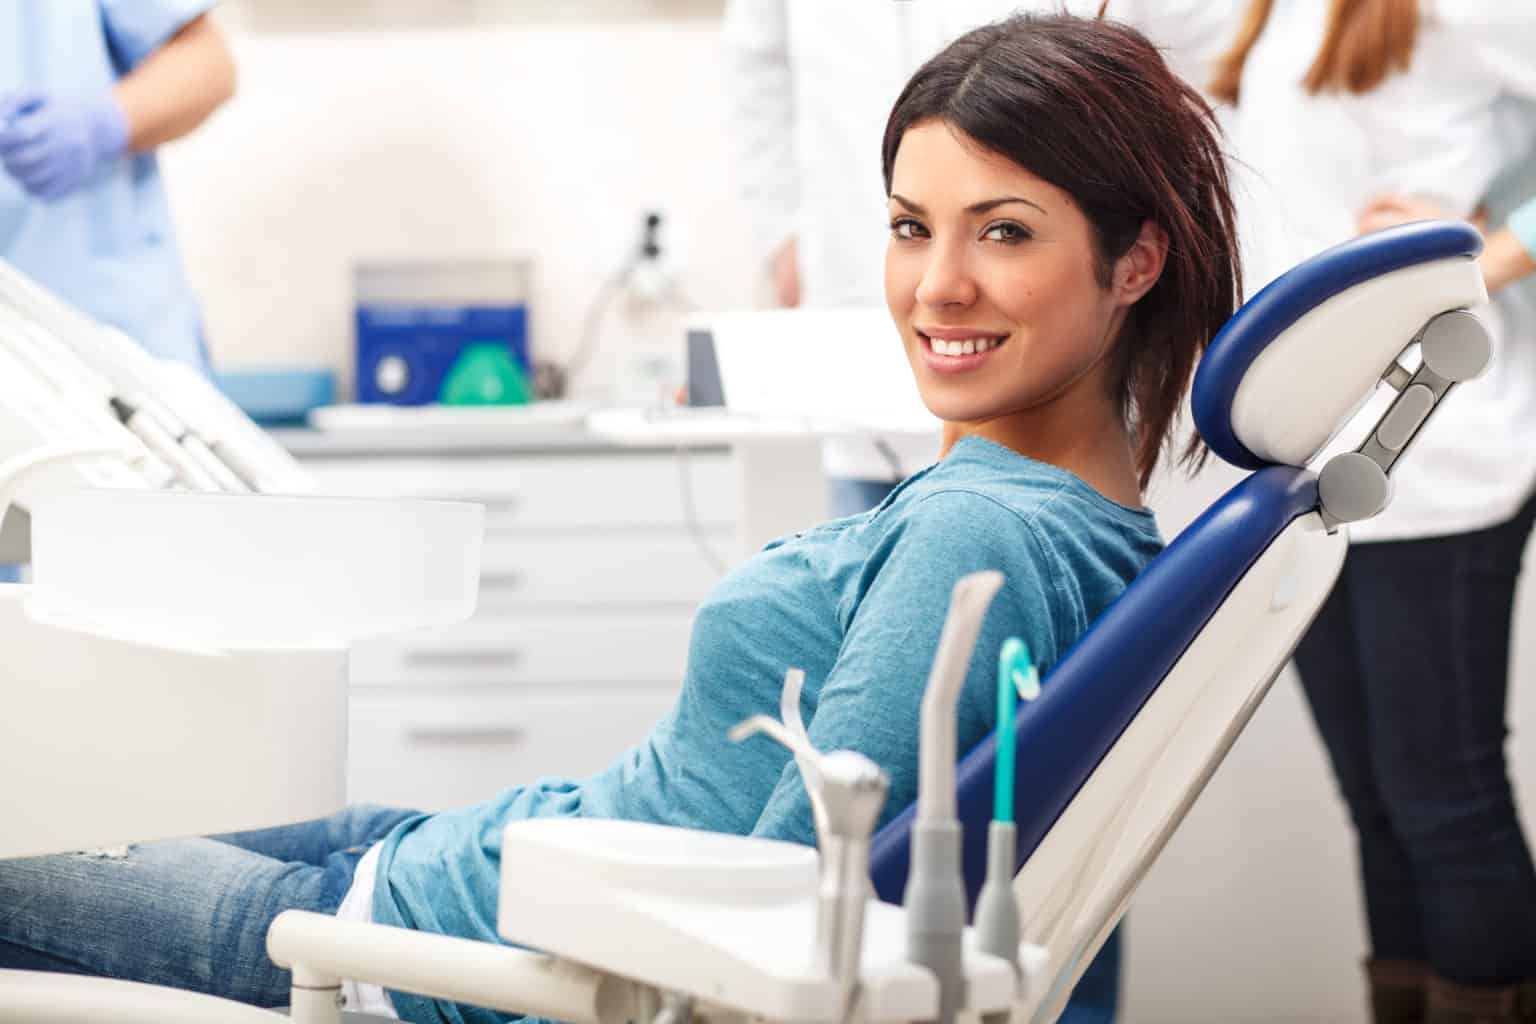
<point x="88" y="90"/>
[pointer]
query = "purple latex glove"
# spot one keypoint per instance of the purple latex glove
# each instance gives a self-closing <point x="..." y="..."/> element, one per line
<point x="52" y="145"/>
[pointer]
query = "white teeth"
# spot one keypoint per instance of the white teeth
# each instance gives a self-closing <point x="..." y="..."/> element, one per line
<point x="969" y="346"/>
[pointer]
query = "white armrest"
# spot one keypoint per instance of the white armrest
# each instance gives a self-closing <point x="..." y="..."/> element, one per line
<point x="320" y="950"/>
<point x="28" y="997"/>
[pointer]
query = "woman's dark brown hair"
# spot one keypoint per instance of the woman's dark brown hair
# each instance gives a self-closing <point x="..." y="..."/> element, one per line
<point x="1366" y="41"/>
<point x="1091" y="107"/>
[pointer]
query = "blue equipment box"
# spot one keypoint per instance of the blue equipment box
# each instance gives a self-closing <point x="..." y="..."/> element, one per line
<point x="455" y="333"/>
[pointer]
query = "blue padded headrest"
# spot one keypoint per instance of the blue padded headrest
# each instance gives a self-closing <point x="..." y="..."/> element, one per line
<point x="1294" y="294"/>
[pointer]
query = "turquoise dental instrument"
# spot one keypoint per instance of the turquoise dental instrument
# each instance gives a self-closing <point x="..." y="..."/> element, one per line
<point x="997" y="909"/>
<point x="1016" y="677"/>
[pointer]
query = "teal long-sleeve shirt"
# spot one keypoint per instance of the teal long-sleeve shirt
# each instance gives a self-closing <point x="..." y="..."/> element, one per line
<point x="858" y="604"/>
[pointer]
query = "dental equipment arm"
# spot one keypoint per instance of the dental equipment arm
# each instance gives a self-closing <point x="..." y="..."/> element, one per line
<point x="997" y="908"/>
<point x="83" y="405"/>
<point x="935" y="893"/>
<point x="850" y="790"/>
<point x="322" y="952"/>
<point x="789" y="712"/>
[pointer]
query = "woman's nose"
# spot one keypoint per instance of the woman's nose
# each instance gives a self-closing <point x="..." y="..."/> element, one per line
<point x="947" y="280"/>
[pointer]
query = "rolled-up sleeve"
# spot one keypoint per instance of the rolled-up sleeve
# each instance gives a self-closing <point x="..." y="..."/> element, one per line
<point x="1523" y="223"/>
<point x="137" y="28"/>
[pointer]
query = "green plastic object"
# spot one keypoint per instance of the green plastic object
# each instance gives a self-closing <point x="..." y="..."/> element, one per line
<point x="1016" y="678"/>
<point x="486" y="373"/>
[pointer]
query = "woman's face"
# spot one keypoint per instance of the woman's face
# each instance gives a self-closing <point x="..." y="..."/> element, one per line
<point x="989" y="276"/>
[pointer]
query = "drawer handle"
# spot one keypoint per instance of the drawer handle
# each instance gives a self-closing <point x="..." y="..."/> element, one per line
<point x="464" y="659"/>
<point x="501" y="581"/>
<point x="496" y="506"/>
<point x="484" y="734"/>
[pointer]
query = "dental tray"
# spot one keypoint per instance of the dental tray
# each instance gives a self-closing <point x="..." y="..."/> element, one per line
<point x="729" y="920"/>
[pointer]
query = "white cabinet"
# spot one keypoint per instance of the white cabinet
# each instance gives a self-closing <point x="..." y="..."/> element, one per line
<point x="594" y="561"/>
<point x="432" y="751"/>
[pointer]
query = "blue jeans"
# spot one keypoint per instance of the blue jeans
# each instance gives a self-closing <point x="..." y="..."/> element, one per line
<point x="1406" y="670"/>
<point x="194" y="913"/>
<point x="187" y="913"/>
<point x="1097" y="994"/>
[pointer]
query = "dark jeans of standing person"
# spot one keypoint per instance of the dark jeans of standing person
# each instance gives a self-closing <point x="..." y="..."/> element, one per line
<point x="1406" y="670"/>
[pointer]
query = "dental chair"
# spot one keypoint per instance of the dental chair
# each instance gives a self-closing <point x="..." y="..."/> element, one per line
<point x="630" y="922"/>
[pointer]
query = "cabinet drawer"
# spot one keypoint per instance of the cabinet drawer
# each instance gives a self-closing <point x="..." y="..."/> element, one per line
<point x="600" y="569"/>
<point x="435" y="753"/>
<point x="555" y="491"/>
<point x="648" y="648"/>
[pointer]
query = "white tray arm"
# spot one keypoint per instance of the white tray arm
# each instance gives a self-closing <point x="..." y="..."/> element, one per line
<point x="320" y="950"/>
<point x="30" y="997"/>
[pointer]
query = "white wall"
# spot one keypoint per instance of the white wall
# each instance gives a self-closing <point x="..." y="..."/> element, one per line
<point x="452" y="142"/>
<point x="455" y="142"/>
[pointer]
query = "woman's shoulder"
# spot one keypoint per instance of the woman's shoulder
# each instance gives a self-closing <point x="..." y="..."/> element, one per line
<point x="1003" y="486"/>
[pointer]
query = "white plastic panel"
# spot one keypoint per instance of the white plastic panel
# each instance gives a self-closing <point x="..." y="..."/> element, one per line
<point x="1075" y="886"/>
<point x="109" y="742"/>
<point x="747" y="948"/>
<point x="1304" y="387"/>
<point x="254" y="571"/>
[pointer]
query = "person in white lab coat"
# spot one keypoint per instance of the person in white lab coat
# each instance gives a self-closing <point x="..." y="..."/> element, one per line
<point x="810" y="84"/>
<point x="1406" y="667"/>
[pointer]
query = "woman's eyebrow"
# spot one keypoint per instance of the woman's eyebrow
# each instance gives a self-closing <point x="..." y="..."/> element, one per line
<point x="985" y="206"/>
<point x="988" y="205"/>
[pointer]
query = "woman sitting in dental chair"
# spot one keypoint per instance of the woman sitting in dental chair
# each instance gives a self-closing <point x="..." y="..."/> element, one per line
<point x="1061" y="250"/>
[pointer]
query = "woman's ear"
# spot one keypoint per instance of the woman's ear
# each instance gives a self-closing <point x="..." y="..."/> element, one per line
<point x="1138" y="270"/>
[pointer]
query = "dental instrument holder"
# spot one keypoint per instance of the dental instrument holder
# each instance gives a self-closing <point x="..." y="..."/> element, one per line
<point x="1356" y="485"/>
<point x="849" y="791"/>
<point x="935" y="891"/>
<point x="997" y="908"/>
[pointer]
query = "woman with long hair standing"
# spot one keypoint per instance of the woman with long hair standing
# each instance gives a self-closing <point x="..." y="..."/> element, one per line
<point x="1406" y="667"/>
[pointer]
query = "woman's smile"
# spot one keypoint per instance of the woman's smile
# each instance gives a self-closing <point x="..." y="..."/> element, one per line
<point x="957" y="349"/>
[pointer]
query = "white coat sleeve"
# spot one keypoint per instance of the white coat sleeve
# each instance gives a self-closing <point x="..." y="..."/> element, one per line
<point x="759" y="93"/>
<point x="1504" y="36"/>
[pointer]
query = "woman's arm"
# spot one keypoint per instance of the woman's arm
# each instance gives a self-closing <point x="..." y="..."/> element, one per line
<point x="872" y="699"/>
<point x="177" y="86"/>
<point x="1507" y="258"/>
<point x="1509" y="254"/>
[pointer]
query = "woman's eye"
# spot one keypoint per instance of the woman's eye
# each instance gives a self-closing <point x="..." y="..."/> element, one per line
<point x="906" y="228"/>
<point x="1006" y="231"/>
